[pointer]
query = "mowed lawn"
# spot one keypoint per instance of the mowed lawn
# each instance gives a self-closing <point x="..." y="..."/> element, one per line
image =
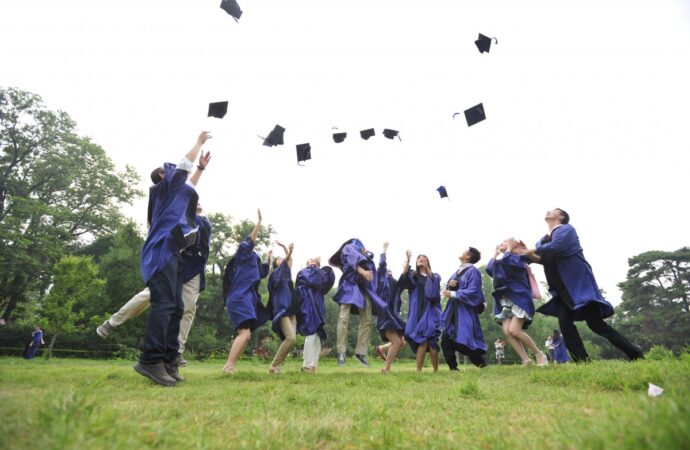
<point x="88" y="404"/>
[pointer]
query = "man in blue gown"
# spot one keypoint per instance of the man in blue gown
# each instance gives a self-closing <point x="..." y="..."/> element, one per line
<point x="172" y="205"/>
<point x="574" y="291"/>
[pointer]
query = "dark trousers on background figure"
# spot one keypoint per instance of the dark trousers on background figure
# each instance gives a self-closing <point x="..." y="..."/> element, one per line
<point x="449" y="347"/>
<point x="590" y="313"/>
<point x="161" y="339"/>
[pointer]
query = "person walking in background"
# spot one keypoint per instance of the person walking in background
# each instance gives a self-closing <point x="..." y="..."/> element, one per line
<point x="423" y="329"/>
<point x="172" y="205"/>
<point x="575" y="293"/>
<point x="241" y="279"/>
<point x="462" y="331"/>
<point x="194" y="260"/>
<point x="313" y="282"/>
<point x="357" y="291"/>
<point x="499" y="344"/>
<point x="35" y="342"/>
<point x="560" y="353"/>
<point x="283" y="306"/>
<point x="548" y="344"/>
<point x="513" y="295"/>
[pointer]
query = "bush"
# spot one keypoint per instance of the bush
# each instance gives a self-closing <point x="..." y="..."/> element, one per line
<point x="125" y="352"/>
<point x="658" y="353"/>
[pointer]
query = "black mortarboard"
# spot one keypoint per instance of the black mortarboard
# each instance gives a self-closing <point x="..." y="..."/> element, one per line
<point x="483" y="43"/>
<point x="390" y="134"/>
<point x="366" y="134"/>
<point x="303" y="153"/>
<point x="232" y="8"/>
<point x="442" y="191"/>
<point x="217" y="109"/>
<point x="275" y="137"/>
<point x="475" y="114"/>
<point x="339" y="137"/>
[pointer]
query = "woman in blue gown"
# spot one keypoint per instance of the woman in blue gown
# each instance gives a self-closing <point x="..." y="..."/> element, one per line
<point x="35" y="342"/>
<point x="313" y="282"/>
<point x="389" y="290"/>
<point x="560" y="353"/>
<point x="283" y="307"/>
<point x="241" y="291"/>
<point x="513" y="304"/>
<point x="424" y="325"/>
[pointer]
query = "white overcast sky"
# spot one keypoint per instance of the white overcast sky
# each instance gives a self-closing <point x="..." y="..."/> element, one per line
<point x="587" y="109"/>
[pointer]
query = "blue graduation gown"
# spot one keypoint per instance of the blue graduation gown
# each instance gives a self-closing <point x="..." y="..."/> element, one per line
<point x="170" y="203"/>
<point x="460" y="318"/>
<point x="194" y="258"/>
<point x="282" y="301"/>
<point x="352" y="288"/>
<point x="388" y="287"/>
<point x="424" y="312"/>
<point x="241" y="285"/>
<point x="562" y="257"/>
<point x="510" y="279"/>
<point x="560" y="353"/>
<point x="36" y="338"/>
<point x="311" y="286"/>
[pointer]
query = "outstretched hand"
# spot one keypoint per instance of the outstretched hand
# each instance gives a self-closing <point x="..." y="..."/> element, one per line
<point x="203" y="137"/>
<point x="258" y="213"/>
<point x="204" y="159"/>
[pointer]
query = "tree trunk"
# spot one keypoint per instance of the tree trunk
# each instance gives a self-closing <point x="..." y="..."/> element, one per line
<point x="50" y="347"/>
<point x="16" y="296"/>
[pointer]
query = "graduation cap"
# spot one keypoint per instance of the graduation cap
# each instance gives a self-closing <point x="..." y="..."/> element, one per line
<point x="390" y="134"/>
<point x="442" y="192"/>
<point x="483" y="43"/>
<point x="366" y="134"/>
<point x="231" y="7"/>
<point x="474" y="115"/>
<point x="217" y="109"/>
<point x="303" y="153"/>
<point x="275" y="137"/>
<point x="339" y="137"/>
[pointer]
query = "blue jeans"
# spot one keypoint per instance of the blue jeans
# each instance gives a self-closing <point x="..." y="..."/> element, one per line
<point x="163" y="327"/>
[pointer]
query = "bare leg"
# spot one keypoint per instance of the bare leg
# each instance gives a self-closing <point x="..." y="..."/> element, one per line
<point x="237" y="348"/>
<point x="421" y="352"/>
<point x="434" y="358"/>
<point x="516" y="331"/>
<point x="514" y="342"/>
<point x="395" y="345"/>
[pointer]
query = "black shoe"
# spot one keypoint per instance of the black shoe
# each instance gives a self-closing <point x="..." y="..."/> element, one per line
<point x="155" y="372"/>
<point x="362" y="359"/>
<point x="171" y="370"/>
<point x="180" y="361"/>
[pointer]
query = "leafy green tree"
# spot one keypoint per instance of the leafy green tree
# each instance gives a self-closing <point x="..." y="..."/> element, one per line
<point x="56" y="189"/>
<point x="75" y="284"/>
<point x="656" y="299"/>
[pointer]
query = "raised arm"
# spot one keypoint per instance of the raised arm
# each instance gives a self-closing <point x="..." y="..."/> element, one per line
<point x="193" y="153"/>
<point x="406" y="264"/>
<point x="288" y="252"/>
<point x="255" y="231"/>
<point x="203" y="162"/>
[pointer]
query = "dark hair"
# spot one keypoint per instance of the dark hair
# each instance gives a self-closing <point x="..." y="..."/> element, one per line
<point x="427" y="260"/>
<point x="475" y="256"/>
<point x="556" y="334"/>
<point x="156" y="175"/>
<point x="566" y="216"/>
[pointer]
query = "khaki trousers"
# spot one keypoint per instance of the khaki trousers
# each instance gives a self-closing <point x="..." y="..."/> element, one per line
<point x="288" y="325"/>
<point x="142" y="300"/>
<point x="364" y="333"/>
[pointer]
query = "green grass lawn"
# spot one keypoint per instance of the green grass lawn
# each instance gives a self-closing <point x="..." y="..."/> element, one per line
<point x="87" y="404"/>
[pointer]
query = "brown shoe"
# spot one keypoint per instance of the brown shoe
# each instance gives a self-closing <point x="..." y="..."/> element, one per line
<point x="172" y="370"/>
<point x="156" y="373"/>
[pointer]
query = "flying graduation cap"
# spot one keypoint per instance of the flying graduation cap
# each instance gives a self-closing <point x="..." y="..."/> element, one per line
<point x="474" y="115"/>
<point x="442" y="192"/>
<point x="303" y="153"/>
<point x="390" y="134"/>
<point x="483" y="43"/>
<point x="366" y="134"/>
<point x="339" y="137"/>
<point x="217" y="109"/>
<point x="275" y="137"/>
<point x="231" y="7"/>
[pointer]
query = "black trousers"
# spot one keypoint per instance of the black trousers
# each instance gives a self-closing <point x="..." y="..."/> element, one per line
<point x="161" y="339"/>
<point x="449" y="347"/>
<point x="591" y="314"/>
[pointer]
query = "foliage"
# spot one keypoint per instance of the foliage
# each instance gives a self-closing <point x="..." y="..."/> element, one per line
<point x="659" y="352"/>
<point x="56" y="190"/>
<point x="75" y="284"/>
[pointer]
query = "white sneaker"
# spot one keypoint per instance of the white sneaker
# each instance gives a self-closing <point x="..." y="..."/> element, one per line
<point x="105" y="329"/>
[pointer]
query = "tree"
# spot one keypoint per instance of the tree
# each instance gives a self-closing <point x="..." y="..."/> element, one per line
<point x="57" y="189"/>
<point x="656" y="299"/>
<point x="75" y="284"/>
